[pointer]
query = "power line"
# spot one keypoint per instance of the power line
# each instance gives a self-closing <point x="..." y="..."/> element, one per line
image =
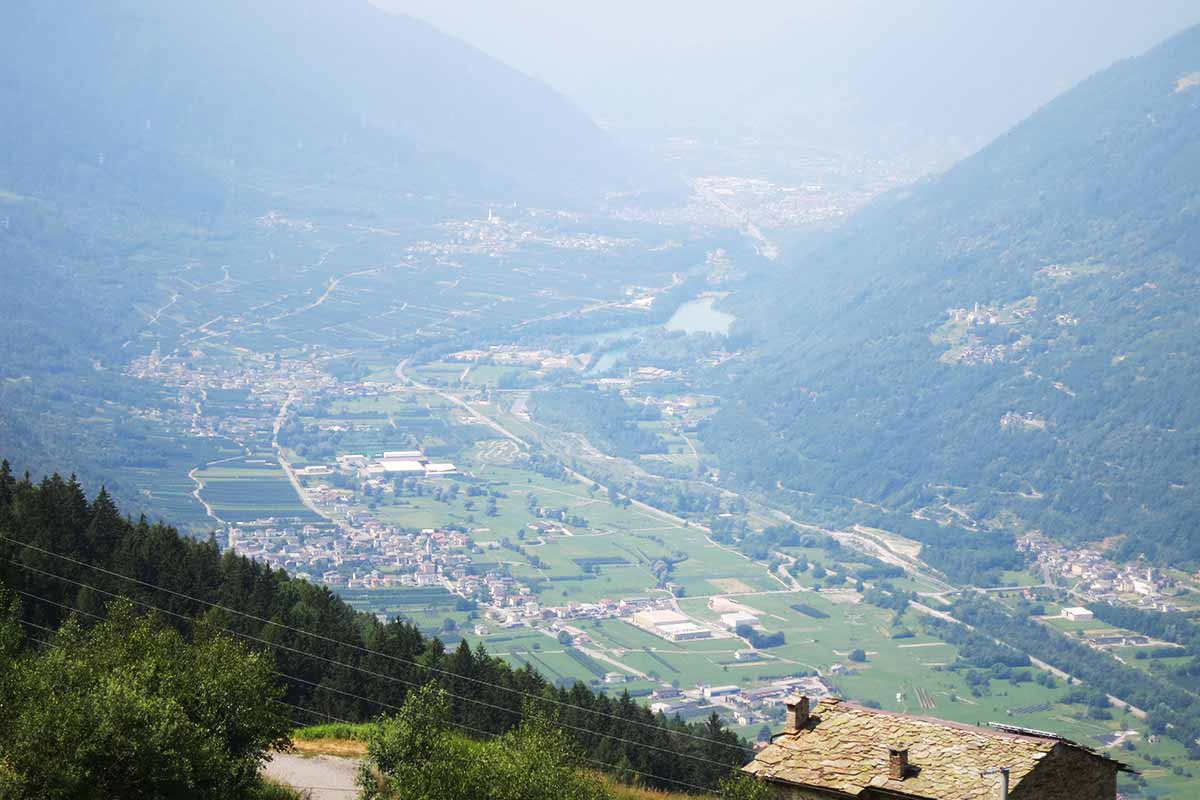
<point x="380" y="703"/>
<point x="312" y="711"/>
<point x="297" y="723"/>
<point x="472" y="729"/>
<point x="39" y="627"/>
<point x="363" y="670"/>
<point x="97" y="616"/>
<point x="367" y="672"/>
<point x="41" y="599"/>
<point x="359" y="648"/>
<point x="468" y="728"/>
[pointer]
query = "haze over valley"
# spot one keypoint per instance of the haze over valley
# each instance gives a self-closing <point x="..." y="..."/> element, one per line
<point x="582" y="365"/>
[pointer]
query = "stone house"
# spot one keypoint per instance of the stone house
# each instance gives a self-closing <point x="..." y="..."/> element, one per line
<point x="843" y="750"/>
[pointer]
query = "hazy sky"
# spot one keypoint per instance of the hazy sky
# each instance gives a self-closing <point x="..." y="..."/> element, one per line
<point x="938" y="70"/>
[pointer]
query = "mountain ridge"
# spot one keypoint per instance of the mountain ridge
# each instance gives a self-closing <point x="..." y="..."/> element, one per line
<point x="331" y="86"/>
<point x="1077" y="234"/>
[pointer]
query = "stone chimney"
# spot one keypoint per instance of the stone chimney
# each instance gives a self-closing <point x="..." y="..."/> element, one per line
<point x="897" y="762"/>
<point x="1002" y="784"/>
<point x="797" y="712"/>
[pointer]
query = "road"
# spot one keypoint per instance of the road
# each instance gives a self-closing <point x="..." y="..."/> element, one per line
<point x="579" y="476"/>
<point x="645" y="508"/>
<point x="280" y="418"/>
<point x="1113" y="700"/>
<point x="329" y="290"/>
<point x="323" y="777"/>
<point x="463" y="404"/>
<point x="208" y="509"/>
<point x="483" y="419"/>
<point x="157" y="315"/>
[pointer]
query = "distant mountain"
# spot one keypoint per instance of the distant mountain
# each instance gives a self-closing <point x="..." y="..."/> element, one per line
<point x="171" y="98"/>
<point x="930" y="82"/>
<point x="1012" y="345"/>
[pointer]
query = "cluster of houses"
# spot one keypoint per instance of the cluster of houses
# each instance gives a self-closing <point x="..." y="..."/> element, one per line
<point x="523" y="609"/>
<point x="267" y="380"/>
<point x="976" y="315"/>
<point x="976" y="351"/>
<point x="513" y="356"/>
<point x="1028" y="421"/>
<point x="375" y="556"/>
<point x="495" y="236"/>
<point x="1096" y="578"/>
<point x="743" y="706"/>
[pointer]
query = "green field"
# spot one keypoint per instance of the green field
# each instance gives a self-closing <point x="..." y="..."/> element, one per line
<point x="250" y="488"/>
<point x="169" y="489"/>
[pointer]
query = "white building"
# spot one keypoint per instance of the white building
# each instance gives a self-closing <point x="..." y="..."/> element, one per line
<point x="402" y="466"/>
<point x="658" y="617"/>
<point x="1077" y="614"/>
<point x="683" y="631"/>
<point x="733" y="620"/>
<point x="670" y="625"/>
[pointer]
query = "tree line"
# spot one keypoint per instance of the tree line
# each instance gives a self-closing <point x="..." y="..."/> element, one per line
<point x="1172" y="710"/>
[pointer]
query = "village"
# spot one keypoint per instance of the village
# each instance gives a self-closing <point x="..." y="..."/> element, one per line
<point x="1093" y="578"/>
<point x="376" y="557"/>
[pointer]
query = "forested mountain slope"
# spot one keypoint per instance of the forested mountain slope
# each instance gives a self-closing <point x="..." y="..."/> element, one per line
<point x="1014" y="342"/>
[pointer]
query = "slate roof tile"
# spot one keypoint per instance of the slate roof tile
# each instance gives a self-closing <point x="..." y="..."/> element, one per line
<point x="844" y="747"/>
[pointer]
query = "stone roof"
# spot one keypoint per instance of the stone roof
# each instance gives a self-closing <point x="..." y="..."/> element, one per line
<point x="844" y="747"/>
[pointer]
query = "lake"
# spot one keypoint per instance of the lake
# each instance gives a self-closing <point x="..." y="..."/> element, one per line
<point x="699" y="316"/>
<point x="694" y="316"/>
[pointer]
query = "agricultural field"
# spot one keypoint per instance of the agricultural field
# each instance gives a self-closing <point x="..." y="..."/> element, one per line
<point x="431" y="608"/>
<point x="441" y="373"/>
<point x="358" y="287"/>
<point x="250" y="488"/>
<point x="492" y="374"/>
<point x="167" y="487"/>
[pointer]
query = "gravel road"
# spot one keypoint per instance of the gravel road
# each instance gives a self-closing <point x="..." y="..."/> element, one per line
<point x="325" y="777"/>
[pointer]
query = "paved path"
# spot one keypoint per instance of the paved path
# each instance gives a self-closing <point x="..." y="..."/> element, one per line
<point x="324" y="777"/>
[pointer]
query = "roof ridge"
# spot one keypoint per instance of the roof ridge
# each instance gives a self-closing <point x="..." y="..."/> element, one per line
<point x="1029" y="735"/>
<point x="945" y="723"/>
